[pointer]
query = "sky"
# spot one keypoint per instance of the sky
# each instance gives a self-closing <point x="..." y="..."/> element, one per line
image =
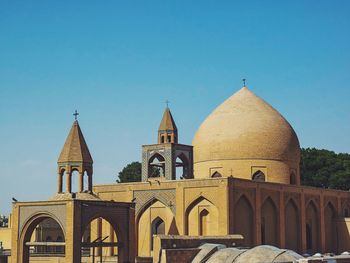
<point x="117" y="62"/>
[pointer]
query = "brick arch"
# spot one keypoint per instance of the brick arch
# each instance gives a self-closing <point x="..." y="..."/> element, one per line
<point x="292" y="225"/>
<point x="269" y="222"/>
<point x="330" y="213"/>
<point x="193" y="204"/>
<point x="244" y="219"/>
<point x="312" y="226"/>
<point x="27" y="231"/>
<point x="119" y="231"/>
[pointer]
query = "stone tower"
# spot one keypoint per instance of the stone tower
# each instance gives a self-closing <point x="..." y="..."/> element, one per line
<point x="75" y="156"/>
<point x="168" y="159"/>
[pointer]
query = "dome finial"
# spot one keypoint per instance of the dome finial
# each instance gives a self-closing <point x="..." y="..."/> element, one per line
<point x="244" y="81"/>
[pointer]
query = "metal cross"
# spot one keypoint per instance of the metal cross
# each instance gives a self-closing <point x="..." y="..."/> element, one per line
<point x="167" y="103"/>
<point x="244" y="80"/>
<point x="76" y="114"/>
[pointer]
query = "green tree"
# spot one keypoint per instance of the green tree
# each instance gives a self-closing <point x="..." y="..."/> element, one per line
<point x="130" y="173"/>
<point x="326" y="169"/>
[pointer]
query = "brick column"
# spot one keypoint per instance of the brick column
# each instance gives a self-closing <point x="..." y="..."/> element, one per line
<point x="322" y="225"/>
<point x="303" y="223"/>
<point x="69" y="182"/>
<point x="59" y="189"/>
<point x="257" y="216"/>
<point x="282" y="220"/>
<point x="81" y="182"/>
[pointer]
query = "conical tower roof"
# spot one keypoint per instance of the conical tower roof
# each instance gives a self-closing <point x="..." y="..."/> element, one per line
<point x="167" y="123"/>
<point x="75" y="148"/>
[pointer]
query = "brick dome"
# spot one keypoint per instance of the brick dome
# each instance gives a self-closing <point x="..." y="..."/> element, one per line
<point x="246" y="128"/>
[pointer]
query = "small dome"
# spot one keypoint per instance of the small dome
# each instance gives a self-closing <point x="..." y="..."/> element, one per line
<point x="245" y="127"/>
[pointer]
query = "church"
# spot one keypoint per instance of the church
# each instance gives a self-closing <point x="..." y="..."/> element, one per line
<point x="240" y="176"/>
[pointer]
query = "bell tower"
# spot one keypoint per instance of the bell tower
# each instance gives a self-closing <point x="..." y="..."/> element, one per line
<point x="167" y="160"/>
<point x="75" y="156"/>
<point x="167" y="131"/>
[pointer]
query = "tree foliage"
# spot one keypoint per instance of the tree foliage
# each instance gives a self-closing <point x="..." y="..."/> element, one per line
<point x="326" y="169"/>
<point x="130" y="173"/>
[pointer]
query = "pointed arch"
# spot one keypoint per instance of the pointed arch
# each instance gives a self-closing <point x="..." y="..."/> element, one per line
<point x="216" y="174"/>
<point x="259" y="176"/>
<point x="146" y="224"/>
<point x="269" y="222"/>
<point x="330" y="215"/>
<point x="198" y="222"/>
<point x="244" y="220"/>
<point x="157" y="228"/>
<point x="182" y="166"/>
<point x="203" y="222"/>
<point x="156" y="165"/>
<point x="312" y="227"/>
<point x="292" y="225"/>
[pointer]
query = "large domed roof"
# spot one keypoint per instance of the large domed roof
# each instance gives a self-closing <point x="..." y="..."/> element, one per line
<point x="245" y="127"/>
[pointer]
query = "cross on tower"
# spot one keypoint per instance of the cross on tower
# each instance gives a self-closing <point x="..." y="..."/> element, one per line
<point x="244" y="80"/>
<point x="76" y="114"/>
<point x="167" y="103"/>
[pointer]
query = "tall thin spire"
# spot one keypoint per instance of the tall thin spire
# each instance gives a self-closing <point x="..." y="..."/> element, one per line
<point x="167" y="131"/>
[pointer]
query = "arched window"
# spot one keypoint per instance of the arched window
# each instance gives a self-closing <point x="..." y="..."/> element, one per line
<point x="156" y="166"/>
<point x="292" y="178"/>
<point x="308" y="237"/>
<point x="258" y="176"/>
<point x="203" y="222"/>
<point x="216" y="174"/>
<point x="182" y="167"/>
<point x="157" y="228"/>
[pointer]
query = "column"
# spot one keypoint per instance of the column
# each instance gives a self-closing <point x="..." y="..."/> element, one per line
<point x="81" y="182"/>
<point x="59" y="190"/>
<point x="69" y="182"/>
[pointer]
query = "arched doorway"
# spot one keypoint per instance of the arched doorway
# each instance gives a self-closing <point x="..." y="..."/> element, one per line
<point x="41" y="236"/>
<point x="312" y="228"/>
<point x="330" y="228"/>
<point x="153" y="217"/>
<point x="157" y="228"/>
<point x="99" y="242"/>
<point x="243" y="220"/>
<point x="202" y="218"/>
<point x="269" y="223"/>
<point x="292" y="226"/>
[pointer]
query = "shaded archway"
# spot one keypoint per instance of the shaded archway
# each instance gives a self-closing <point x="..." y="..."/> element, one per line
<point x="330" y="228"/>
<point x="203" y="222"/>
<point x="101" y="239"/>
<point x="182" y="167"/>
<point x="292" y="226"/>
<point x="258" y="176"/>
<point x="292" y="178"/>
<point x="36" y="237"/>
<point x="146" y="221"/>
<point x="202" y="218"/>
<point x="157" y="228"/>
<point x="269" y="223"/>
<point x="312" y="228"/>
<point x="244" y="220"/>
<point x="156" y="166"/>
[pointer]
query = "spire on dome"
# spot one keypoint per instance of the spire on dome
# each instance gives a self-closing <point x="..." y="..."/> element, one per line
<point x="167" y="131"/>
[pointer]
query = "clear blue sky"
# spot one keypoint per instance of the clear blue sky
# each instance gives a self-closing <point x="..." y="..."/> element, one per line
<point x="116" y="62"/>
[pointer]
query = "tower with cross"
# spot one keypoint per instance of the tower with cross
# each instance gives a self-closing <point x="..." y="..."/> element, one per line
<point x="167" y="159"/>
